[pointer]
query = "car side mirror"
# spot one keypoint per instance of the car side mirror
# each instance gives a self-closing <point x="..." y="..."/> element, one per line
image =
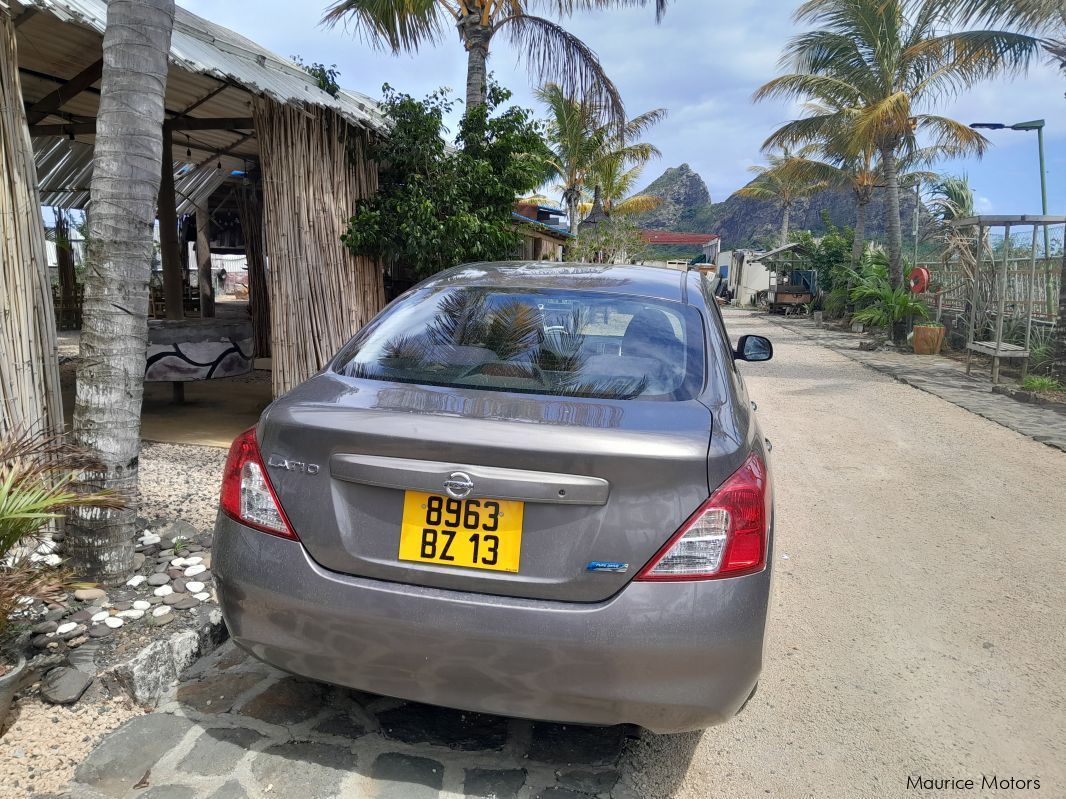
<point x="754" y="348"/>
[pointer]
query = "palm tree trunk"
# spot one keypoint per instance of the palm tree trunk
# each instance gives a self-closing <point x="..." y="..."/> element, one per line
<point x="126" y="173"/>
<point x="893" y="227"/>
<point x="573" y="211"/>
<point x="858" y="245"/>
<point x="785" y="218"/>
<point x="476" y="38"/>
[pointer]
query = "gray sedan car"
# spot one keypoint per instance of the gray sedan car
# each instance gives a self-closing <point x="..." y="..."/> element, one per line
<point x="524" y="489"/>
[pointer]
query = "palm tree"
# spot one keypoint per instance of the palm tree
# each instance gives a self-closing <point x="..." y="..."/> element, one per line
<point x="781" y="181"/>
<point x="874" y="65"/>
<point x="619" y="165"/>
<point x="576" y="137"/>
<point x="550" y="50"/>
<point x="127" y="166"/>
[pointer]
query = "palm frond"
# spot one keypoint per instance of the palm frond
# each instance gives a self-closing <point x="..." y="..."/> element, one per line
<point x="554" y="54"/>
<point x="637" y="204"/>
<point x="397" y="26"/>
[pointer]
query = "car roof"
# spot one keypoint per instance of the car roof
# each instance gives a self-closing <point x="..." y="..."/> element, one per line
<point x="645" y="281"/>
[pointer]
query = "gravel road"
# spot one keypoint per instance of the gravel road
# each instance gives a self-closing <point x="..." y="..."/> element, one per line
<point x="917" y="626"/>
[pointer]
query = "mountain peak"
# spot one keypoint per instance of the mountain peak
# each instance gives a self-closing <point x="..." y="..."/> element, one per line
<point x="681" y="190"/>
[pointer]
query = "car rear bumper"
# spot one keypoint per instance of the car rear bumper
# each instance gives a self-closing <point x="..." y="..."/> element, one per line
<point x="666" y="656"/>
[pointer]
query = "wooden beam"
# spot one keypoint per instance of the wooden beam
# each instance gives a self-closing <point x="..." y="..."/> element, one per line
<point x="207" y="123"/>
<point x="213" y="93"/>
<point x="71" y="129"/>
<point x="173" y="285"/>
<point x="65" y="93"/>
<point x="24" y="17"/>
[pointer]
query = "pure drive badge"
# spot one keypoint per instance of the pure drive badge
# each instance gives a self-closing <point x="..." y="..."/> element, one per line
<point x="607" y="566"/>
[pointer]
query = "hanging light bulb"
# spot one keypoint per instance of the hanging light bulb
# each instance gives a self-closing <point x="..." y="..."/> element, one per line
<point x="188" y="148"/>
<point x="220" y="163"/>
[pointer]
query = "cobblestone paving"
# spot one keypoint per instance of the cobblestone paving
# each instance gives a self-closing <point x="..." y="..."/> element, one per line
<point x="946" y="379"/>
<point x="235" y="727"/>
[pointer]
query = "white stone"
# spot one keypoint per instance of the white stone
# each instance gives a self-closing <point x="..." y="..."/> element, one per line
<point x="142" y="604"/>
<point x="192" y="571"/>
<point x="25" y="600"/>
<point x="103" y="614"/>
<point x="194" y="586"/>
<point x="133" y="582"/>
<point x="194" y="560"/>
<point x="179" y="562"/>
<point x="63" y="629"/>
<point x="163" y="590"/>
<point x="114" y="622"/>
<point x="162" y="610"/>
<point x="150" y="538"/>
<point x="203" y="596"/>
<point x="136" y="613"/>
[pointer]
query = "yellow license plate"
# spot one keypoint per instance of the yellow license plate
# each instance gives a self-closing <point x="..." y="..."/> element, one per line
<point x="475" y="533"/>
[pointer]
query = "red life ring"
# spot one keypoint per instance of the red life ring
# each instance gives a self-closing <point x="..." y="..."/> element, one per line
<point x="919" y="279"/>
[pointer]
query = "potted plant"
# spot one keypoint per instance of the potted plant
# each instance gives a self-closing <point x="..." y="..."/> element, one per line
<point x="879" y="304"/>
<point x="928" y="338"/>
<point x="39" y="479"/>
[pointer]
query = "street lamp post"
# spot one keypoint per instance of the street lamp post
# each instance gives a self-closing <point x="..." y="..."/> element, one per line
<point x="1038" y="126"/>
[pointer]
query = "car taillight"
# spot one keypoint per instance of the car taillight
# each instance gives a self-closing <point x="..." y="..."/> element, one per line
<point x="247" y="495"/>
<point x="725" y="537"/>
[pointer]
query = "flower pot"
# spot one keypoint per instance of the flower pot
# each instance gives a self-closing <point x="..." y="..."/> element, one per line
<point x="9" y="684"/>
<point x="928" y="339"/>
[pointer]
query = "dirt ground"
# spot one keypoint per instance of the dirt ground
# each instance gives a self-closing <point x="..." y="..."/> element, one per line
<point x="920" y="587"/>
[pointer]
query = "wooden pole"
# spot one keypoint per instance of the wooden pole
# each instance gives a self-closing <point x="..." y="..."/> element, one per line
<point x="173" y="284"/>
<point x="203" y="261"/>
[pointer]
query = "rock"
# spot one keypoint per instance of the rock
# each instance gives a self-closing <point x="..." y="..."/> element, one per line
<point x="55" y="614"/>
<point x="160" y="567"/>
<point x="133" y="582"/>
<point x="502" y="783"/>
<point x="47" y="627"/>
<point x="89" y="594"/>
<point x="42" y="641"/>
<point x="173" y="599"/>
<point x="97" y="617"/>
<point x="179" y="585"/>
<point x="217" y="751"/>
<point x="127" y="754"/>
<point x="100" y="631"/>
<point x="869" y="346"/>
<point x="65" y="628"/>
<point x="207" y="541"/>
<point x="79" y="629"/>
<point x="74" y="643"/>
<point x="162" y="621"/>
<point x="164" y="590"/>
<point x="141" y="604"/>
<point x="588" y="782"/>
<point x="114" y="622"/>
<point x="132" y="613"/>
<point x="155" y="600"/>
<point x="79" y="616"/>
<point x="158" y="579"/>
<point x="195" y="560"/>
<point x="150" y="538"/>
<point x="406" y="775"/>
<point x="194" y="586"/>
<point x="179" y="528"/>
<point x="64" y="685"/>
<point x="192" y="571"/>
<point x="138" y="560"/>
<point x="174" y="574"/>
<point x="179" y="563"/>
<point x="207" y="561"/>
<point x="120" y="606"/>
<point x="186" y="602"/>
<point x="321" y="768"/>
<point x="203" y="596"/>
<point x="161" y="610"/>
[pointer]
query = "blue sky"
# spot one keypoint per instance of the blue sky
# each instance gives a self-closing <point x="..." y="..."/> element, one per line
<point x="702" y="64"/>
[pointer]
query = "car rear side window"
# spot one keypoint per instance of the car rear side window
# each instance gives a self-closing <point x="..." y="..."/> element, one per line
<point x="558" y="342"/>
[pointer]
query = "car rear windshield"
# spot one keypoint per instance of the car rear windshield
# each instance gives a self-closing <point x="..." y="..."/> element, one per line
<point x="560" y="342"/>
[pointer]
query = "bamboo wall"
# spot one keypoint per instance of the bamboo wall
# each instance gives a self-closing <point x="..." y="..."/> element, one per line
<point x="29" y="366"/>
<point x="314" y="169"/>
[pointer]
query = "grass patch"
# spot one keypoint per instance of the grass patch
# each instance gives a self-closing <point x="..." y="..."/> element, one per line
<point x="1039" y="383"/>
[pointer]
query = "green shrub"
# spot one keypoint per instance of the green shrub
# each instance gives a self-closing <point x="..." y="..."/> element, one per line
<point x="1041" y="383"/>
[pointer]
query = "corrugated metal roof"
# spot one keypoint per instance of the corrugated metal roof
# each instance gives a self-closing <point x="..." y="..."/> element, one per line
<point x="65" y="170"/>
<point x="202" y="47"/>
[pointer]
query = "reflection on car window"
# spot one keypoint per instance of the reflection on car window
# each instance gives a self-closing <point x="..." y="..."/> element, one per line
<point x="568" y="343"/>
